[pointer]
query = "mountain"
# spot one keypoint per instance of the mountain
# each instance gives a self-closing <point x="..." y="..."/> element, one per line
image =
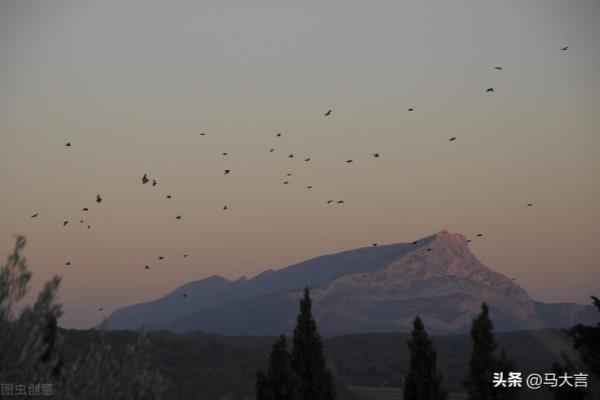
<point x="373" y="289"/>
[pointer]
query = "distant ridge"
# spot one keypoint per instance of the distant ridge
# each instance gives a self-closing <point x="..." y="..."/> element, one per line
<point x="371" y="289"/>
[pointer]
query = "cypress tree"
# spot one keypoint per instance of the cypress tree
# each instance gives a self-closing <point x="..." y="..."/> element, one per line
<point x="280" y="382"/>
<point x="481" y="367"/>
<point x="505" y="364"/>
<point x="316" y="381"/>
<point x="423" y="382"/>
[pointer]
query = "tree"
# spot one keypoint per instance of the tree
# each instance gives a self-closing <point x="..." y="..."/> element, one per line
<point x="280" y="382"/>
<point x="505" y="365"/>
<point x="423" y="381"/>
<point x="316" y="381"/>
<point x="479" y="381"/>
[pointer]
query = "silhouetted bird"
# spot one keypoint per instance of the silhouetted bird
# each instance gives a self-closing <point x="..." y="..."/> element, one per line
<point x="227" y="171"/>
<point x="68" y="144"/>
<point x="452" y="139"/>
<point x="410" y="109"/>
<point x="65" y="223"/>
<point x="286" y="182"/>
<point x="85" y="209"/>
<point x="88" y="227"/>
<point x="289" y="174"/>
<point x="144" y="179"/>
<point x="161" y="258"/>
<point x="178" y="217"/>
<point x="101" y="309"/>
<point x="349" y="161"/>
<point x="154" y="183"/>
<point x="340" y="202"/>
<point x="328" y="113"/>
<point x="98" y="199"/>
<point x="225" y="154"/>
<point x="68" y="263"/>
<point x="147" y="267"/>
<point x="169" y="196"/>
<point x="278" y="135"/>
<point x="225" y="207"/>
<point x="468" y="240"/>
<point x="203" y="134"/>
<point x="529" y="205"/>
<point x="429" y="249"/>
<point x="271" y="150"/>
<point x="81" y="221"/>
<point x="498" y="68"/>
<point x="489" y="90"/>
<point x="291" y="155"/>
<point x="185" y="295"/>
<point x="185" y="255"/>
<point x="309" y="187"/>
<point x="307" y="159"/>
<point x="374" y="245"/>
<point x="565" y="48"/>
<point x="479" y="234"/>
<point x="329" y="201"/>
<point x="376" y="155"/>
<point x="415" y="242"/>
<point x="34" y="215"/>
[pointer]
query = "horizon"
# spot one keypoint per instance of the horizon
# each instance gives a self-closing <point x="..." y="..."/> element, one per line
<point x="131" y="86"/>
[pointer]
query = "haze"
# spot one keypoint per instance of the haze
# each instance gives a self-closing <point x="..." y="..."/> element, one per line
<point x="132" y="84"/>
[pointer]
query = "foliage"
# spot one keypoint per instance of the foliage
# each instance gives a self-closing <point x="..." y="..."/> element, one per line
<point x="280" y="382"/>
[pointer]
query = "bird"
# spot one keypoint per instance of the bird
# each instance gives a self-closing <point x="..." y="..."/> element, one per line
<point x="278" y="135"/>
<point x="185" y="255"/>
<point x="34" y="215"/>
<point x="429" y="249"/>
<point x="68" y="144"/>
<point x="328" y="113"/>
<point x="468" y="240"/>
<point x="144" y="179"/>
<point x="81" y="221"/>
<point x="227" y="171"/>
<point x="291" y="155"/>
<point x="88" y="227"/>
<point x="498" y="68"/>
<point x="489" y="90"/>
<point x="154" y="183"/>
<point x="225" y="154"/>
<point x="529" y="205"/>
<point x="376" y="155"/>
<point x="271" y="150"/>
<point x="225" y="207"/>
<point x="289" y="174"/>
<point x="178" y="217"/>
<point x="100" y="309"/>
<point x="307" y="159"/>
<point x="68" y="263"/>
<point x="286" y="182"/>
<point x="415" y="242"/>
<point x="565" y="48"/>
<point x="309" y="187"/>
<point x="98" y="199"/>
<point x="329" y="201"/>
<point x="452" y="139"/>
<point x="65" y="223"/>
<point x="374" y="244"/>
<point x="169" y="196"/>
<point x="85" y="209"/>
<point x="185" y="295"/>
<point x="147" y="267"/>
<point x="203" y="134"/>
<point x="479" y="234"/>
<point x="161" y="258"/>
<point x="340" y="201"/>
<point x="410" y="109"/>
<point x="349" y="161"/>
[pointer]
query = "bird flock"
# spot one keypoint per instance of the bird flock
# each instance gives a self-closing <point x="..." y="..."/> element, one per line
<point x="146" y="179"/>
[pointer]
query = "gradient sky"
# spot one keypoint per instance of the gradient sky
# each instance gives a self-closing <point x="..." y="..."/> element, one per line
<point x="131" y="84"/>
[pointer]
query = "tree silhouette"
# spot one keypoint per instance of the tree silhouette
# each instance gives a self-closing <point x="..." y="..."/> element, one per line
<point x="280" y="381"/>
<point x="481" y="365"/>
<point x="316" y="382"/>
<point x="423" y="381"/>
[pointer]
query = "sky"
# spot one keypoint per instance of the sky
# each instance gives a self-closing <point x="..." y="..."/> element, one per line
<point x="132" y="84"/>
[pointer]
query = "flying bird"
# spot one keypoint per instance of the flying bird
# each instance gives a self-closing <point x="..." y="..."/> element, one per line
<point x="203" y="134"/>
<point x="307" y="159"/>
<point x="154" y="183"/>
<point x="147" y="267"/>
<point x="271" y="150"/>
<point x="349" y="161"/>
<point x="278" y="135"/>
<point x="65" y="223"/>
<point x="169" y="196"/>
<point x="88" y="227"/>
<point x="479" y="234"/>
<point x="98" y="199"/>
<point x="68" y="263"/>
<point x="468" y="240"/>
<point x="429" y="249"/>
<point x="415" y="242"/>
<point x="227" y="171"/>
<point x="225" y="207"/>
<point x="178" y="217"/>
<point x="291" y="155"/>
<point x="225" y="154"/>
<point x="489" y="90"/>
<point x="85" y="209"/>
<point x="452" y="139"/>
<point x="34" y="215"/>
<point x="185" y="295"/>
<point x="185" y="255"/>
<point x="376" y="155"/>
<point x="498" y="68"/>
<point x="340" y="201"/>
<point x="144" y="179"/>
<point x="286" y="182"/>
<point x="374" y="244"/>
<point x="100" y="309"/>
<point x="529" y="205"/>
<point x="309" y="187"/>
<point x="289" y="174"/>
<point x="565" y="48"/>
<point x="161" y="258"/>
<point x="81" y="221"/>
<point x="68" y="144"/>
<point x="328" y="113"/>
<point x="410" y="109"/>
<point x="329" y="201"/>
